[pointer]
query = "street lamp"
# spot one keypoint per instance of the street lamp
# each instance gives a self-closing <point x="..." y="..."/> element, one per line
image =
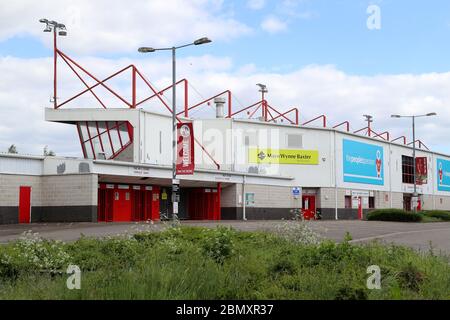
<point x="413" y="117"/>
<point x="175" y="185"/>
<point x="369" y="120"/>
<point x="51" y="25"/>
<point x="263" y="90"/>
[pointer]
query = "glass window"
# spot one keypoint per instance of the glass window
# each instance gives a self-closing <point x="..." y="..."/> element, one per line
<point x="83" y="130"/>
<point x="97" y="146"/>
<point x="106" y="145"/>
<point x="124" y="133"/>
<point x="88" y="149"/>
<point x="407" y="169"/>
<point x="294" y="140"/>
<point x="115" y="139"/>
<point x="101" y="126"/>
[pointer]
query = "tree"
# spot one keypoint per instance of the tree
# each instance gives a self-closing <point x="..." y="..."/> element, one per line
<point x="49" y="153"/>
<point x="12" y="149"/>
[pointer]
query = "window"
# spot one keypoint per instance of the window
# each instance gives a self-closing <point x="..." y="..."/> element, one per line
<point x="294" y="140"/>
<point x="104" y="139"/>
<point x="371" y="202"/>
<point x="348" y="202"/>
<point x="407" y="169"/>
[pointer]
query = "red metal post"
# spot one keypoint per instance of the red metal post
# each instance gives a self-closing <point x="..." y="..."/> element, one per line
<point x="229" y="104"/>
<point x="133" y="87"/>
<point x="296" y="116"/>
<point x="55" y="103"/>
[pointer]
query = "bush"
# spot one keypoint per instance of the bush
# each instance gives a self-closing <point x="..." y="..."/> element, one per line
<point x="411" y="277"/>
<point x="441" y="215"/>
<point x="393" y="215"/>
<point x="218" y="243"/>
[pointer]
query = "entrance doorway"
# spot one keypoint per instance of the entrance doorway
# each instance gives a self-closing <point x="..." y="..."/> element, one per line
<point x="407" y="202"/>
<point x="127" y="203"/>
<point x="24" y="204"/>
<point x="203" y="203"/>
<point x="309" y="207"/>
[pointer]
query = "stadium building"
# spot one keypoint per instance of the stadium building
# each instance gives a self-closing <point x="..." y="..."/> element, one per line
<point x="231" y="166"/>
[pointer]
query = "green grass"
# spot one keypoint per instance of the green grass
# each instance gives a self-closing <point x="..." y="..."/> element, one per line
<point x="196" y="263"/>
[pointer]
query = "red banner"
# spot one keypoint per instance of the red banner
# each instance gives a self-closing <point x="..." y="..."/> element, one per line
<point x="185" y="148"/>
<point x="421" y="170"/>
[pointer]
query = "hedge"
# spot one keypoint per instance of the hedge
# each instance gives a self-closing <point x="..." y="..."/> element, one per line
<point x="393" y="215"/>
<point x="442" y="215"/>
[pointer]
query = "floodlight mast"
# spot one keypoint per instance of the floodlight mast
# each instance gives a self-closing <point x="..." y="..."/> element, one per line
<point x="62" y="31"/>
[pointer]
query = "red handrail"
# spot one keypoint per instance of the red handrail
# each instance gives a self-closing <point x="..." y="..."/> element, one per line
<point x="228" y="92"/>
<point x="284" y="115"/>
<point x="324" y="117"/>
<point x="342" y="123"/>
<point x="381" y="135"/>
<point x="404" y="139"/>
<point x="420" y="144"/>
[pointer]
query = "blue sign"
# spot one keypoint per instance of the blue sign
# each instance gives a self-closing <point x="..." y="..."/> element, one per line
<point x="363" y="162"/>
<point x="296" y="191"/>
<point x="443" y="174"/>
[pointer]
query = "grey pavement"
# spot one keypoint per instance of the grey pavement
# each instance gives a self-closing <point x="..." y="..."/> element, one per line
<point x="420" y="236"/>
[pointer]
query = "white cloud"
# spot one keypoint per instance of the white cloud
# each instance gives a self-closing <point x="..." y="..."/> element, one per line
<point x="273" y="25"/>
<point x="122" y="26"/>
<point x="26" y="84"/>
<point x="256" y="4"/>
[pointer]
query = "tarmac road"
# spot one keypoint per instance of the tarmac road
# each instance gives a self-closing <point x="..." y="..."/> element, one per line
<point x="420" y="236"/>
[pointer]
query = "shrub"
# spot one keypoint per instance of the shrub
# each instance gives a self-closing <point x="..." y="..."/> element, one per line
<point x="33" y="254"/>
<point x="393" y="215"/>
<point x="218" y="243"/>
<point x="297" y="232"/>
<point x="442" y="215"/>
<point x="283" y="266"/>
<point x="410" y="277"/>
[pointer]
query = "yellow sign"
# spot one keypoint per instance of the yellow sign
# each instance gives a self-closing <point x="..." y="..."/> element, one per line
<point x="283" y="156"/>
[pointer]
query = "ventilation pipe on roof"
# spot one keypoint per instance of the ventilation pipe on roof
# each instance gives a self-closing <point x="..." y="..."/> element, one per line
<point x="219" y="101"/>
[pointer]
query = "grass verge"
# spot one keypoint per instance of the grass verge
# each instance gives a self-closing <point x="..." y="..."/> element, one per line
<point x="221" y="263"/>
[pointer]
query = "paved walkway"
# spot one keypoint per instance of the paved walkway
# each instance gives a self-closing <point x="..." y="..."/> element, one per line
<point x="416" y="235"/>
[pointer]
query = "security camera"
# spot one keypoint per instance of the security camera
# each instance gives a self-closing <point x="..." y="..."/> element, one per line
<point x="43" y="20"/>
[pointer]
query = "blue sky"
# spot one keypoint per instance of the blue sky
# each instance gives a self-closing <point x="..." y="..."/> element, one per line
<point x="315" y="54"/>
<point x="414" y="37"/>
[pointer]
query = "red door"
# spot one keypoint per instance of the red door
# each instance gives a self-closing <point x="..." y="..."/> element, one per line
<point x="24" y="204"/>
<point x="360" y="210"/>
<point x="309" y="207"/>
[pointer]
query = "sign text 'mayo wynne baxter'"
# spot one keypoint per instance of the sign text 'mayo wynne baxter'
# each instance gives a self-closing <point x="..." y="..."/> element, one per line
<point x="283" y="156"/>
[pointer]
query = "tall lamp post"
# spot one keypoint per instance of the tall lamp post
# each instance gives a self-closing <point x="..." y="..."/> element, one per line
<point x="413" y="117"/>
<point x="51" y="25"/>
<point x="175" y="184"/>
